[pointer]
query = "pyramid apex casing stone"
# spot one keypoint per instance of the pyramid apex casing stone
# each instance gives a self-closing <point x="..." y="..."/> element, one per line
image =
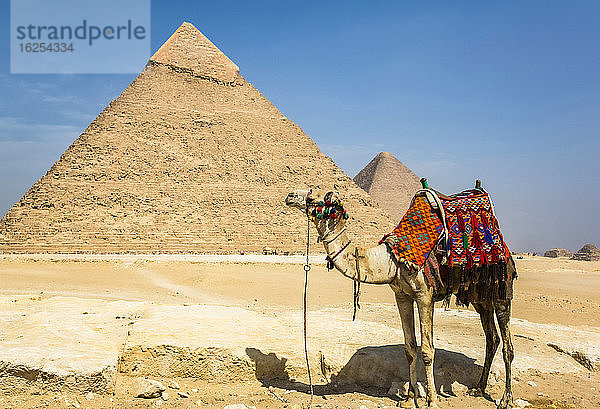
<point x="189" y="49"/>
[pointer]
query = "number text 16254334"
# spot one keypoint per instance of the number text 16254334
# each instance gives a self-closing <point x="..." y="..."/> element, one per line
<point x="46" y="47"/>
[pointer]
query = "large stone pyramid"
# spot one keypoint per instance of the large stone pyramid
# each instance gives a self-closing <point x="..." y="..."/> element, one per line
<point x="189" y="158"/>
<point x="390" y="183"/>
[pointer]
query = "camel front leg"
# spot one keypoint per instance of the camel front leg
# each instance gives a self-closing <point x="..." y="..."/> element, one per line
<point x="425" y="306"/>
<point x="486" y="314"/>
<point x="503" y="315"/>
<point x="407" y="315"/>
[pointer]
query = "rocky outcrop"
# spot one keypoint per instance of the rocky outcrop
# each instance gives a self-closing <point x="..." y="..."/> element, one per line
<point x="589" y="252"/>
<point x="148" y="389"/>
<point x="554" y="253"/>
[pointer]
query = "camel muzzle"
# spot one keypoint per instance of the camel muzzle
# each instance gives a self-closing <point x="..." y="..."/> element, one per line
<point x="289" y="200"/>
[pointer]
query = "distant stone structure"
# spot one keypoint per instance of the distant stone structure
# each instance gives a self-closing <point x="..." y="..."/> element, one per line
<point x="390" y="183"/>
<point x="554" y="253"/>
<point x="189" y="158"/>
<point x="589" y="252"/>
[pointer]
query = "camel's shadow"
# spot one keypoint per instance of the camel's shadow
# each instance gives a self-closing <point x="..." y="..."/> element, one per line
<point x="370" y="371"/>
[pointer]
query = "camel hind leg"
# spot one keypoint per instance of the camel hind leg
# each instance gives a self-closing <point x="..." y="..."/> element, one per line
<point x="502" y="309"/>
<point x="486" y="314"/>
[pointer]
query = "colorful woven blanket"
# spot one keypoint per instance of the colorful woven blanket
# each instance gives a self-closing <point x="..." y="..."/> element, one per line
<point x="473" y="233"/>
<point x="462" y="234"/>
<point x="417" y="234"/>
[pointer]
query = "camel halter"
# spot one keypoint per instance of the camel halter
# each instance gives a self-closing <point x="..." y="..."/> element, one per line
<point x="327" y="209"/>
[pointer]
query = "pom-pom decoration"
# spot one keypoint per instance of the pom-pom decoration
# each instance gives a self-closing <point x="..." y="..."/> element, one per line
<point x="324" y="210"/>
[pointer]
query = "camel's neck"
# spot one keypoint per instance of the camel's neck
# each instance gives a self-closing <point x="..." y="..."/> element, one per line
<point x="336" y="245"/>
<point x="375" y="265"/>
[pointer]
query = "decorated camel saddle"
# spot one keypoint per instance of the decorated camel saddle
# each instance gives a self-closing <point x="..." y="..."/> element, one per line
<point x="456" y="241"/>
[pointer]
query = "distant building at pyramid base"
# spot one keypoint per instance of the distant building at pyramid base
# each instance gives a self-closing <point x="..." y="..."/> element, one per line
<point x="189" y="158"/>
<point x="390" y="183"/>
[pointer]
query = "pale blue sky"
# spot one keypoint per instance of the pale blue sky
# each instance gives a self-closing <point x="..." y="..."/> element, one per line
<point x="507" y="92"/>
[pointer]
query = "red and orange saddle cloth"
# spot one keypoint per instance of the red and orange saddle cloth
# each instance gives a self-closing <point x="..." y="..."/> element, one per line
<point x="460" y="233"/>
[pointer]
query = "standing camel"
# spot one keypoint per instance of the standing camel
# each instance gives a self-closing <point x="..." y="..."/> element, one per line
<point x="378" y="266"/>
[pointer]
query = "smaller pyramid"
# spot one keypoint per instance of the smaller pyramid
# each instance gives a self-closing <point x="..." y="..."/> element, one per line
<point x="558" y="252"/>
<point x="589" y="252"/>
<point x="390" y="183"/>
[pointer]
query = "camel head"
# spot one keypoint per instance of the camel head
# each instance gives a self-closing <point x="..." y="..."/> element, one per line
<point x="298" y="199"/>
<point x="326" y="211"/>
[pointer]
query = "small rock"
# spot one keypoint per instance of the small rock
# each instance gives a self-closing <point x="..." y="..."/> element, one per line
<point x="183" y="395"/>
<point x="164" y="396"/>
<point x="174" y="385"/>
<point x="194" y="390"/>
<point x="532" y="384"/>
<point x="149" y="389"/>
<point x="522" y="403"/>
<point x="72" y="403"/>
<point x="458" y="388"/>
<point x="90" y="395"/>
<point x="236" y="406"/>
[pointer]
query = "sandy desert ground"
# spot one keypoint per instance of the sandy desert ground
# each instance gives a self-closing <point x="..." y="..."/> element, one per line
<point x="230" y="332"/>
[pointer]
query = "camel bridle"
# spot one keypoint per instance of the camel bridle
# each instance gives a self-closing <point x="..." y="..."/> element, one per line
<point x="332" y="209"/>
<point x="327" y="209"/>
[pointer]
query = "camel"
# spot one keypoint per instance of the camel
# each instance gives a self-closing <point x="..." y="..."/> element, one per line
<point x="378" y="266"/>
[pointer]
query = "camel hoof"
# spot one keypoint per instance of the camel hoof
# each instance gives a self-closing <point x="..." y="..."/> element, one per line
<point x="476" y="392"/>
<point x="408" y="404"/>
<point x="506" y="402"/>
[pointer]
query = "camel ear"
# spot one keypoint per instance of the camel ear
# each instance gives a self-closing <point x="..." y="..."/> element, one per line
<point x="332" y="197"/>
